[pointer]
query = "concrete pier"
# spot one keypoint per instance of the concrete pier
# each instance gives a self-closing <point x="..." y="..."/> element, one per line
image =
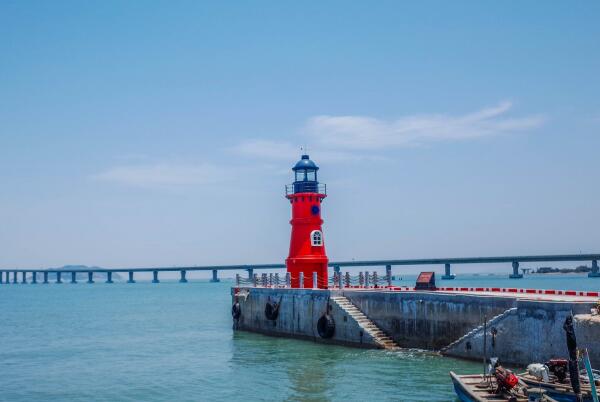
<point x="215" y="278"/>
<point x="109" y="277"/>
<point x="595" y="272"/>
<point x="73" y="277"/>
<point x="155" y="277"/>
<point x="90" y="277"/>
<point x="58" y="277"/>
<point x="182" y="277"/>
<point x="15" y="280"/>
<point x="24" y="277"/>
<point x="130" y="280"/>
<point x="34" y="277"/>
<point x="515" y="274"/>
<point x="46" y="277"/>
<point x="527" y="327"/>
<point x="447" y="274"/>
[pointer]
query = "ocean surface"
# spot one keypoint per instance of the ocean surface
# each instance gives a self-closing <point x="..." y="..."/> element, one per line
<point x="174" y="342"/>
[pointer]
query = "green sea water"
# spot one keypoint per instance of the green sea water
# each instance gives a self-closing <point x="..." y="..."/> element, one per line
<point x="174" y="342"/>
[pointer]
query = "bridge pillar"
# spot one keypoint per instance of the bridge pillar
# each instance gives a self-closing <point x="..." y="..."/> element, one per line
<point x="73" y="277"/>
<point x="1" y="277"/>
<point x="250" y="273"/>
<point x="34" y="277"/>
<point x="15" y="280"/>
<point x="109" y="277"/>
<point x="46" y="277"/>
<point x="130" y="280"/>
<point x="155" y="277"/>
<point x="515" y="274"/>
<point x="24" y="277"/>
<point x="182" y="279"/>
<point x="58" y="279"/>
<point x="90" y="277"/>
<point x="215" y="278"/>
<point x="594" y="273"/>
<point x="447" y="273"/>
<point x="7" y="277"/>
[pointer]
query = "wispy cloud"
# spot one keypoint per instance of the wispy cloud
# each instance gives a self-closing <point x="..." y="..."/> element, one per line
<point x="368" y="133"/>
<point x="165" y="175"/>
<point x="339" y="138"/>
<point x="286" y="151"/>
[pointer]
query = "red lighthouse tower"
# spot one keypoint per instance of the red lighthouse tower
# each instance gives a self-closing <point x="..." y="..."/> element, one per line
<point x="307" y="244"/>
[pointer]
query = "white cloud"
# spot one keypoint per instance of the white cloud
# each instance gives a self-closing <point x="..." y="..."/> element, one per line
<point x="339" y="138"/>
<point x="368" y="133"/>
<point x="165" y="174"/>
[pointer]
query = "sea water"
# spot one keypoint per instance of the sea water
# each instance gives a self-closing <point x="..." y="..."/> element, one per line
<point x="174" y="342"/>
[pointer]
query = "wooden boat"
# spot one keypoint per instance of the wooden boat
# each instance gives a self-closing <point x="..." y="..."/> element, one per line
<point x="476" y="388"/>
<point x="561" y="391"/>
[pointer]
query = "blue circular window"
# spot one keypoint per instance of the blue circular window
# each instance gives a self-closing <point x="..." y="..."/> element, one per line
<point x="314" y="209"/>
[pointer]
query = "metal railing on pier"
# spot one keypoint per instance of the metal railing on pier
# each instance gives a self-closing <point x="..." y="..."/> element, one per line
<point x="364" y="280"/>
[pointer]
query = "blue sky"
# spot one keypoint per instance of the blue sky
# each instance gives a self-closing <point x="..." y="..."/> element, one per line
<point x="162" y="133"/>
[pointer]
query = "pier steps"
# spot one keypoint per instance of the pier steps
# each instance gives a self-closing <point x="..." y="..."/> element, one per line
<point x="380" y="337"/>
<point x="475" y="330"/>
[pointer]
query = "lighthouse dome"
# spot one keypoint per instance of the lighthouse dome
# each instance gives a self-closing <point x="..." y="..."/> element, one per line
<point x="305" y="163"/>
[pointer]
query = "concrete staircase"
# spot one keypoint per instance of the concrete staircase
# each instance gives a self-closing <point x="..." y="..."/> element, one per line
<point x="380" y="337"/>
<point x="475" y="330"/>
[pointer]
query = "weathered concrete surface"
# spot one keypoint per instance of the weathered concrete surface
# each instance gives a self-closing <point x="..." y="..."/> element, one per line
<point x="531" y="332"/>
<point x="427" y="320"/>
<point x="298" y="315"/>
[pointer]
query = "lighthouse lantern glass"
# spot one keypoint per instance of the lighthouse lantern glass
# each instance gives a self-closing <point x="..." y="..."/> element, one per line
<point x="311" y="175"/>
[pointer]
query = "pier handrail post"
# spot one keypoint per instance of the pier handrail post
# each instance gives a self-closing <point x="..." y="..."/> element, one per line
<point x="347" y="279"/>
<point x="271" y="282"/>
<point x="237" y="280"/>
<point x="263" y="278"/>
<point x="254" y="280"/>
<point x="388" y="275"/>
<point x="315" y="283"/>
<point x="288" y="280"/>
<point x="374" y="278"/>
<point x="366" y="279"/>
<point x="277" y="279"/>
<point x="335" y="279"/>
<point x="361" y="279"/>
<point x="301" y="281"/>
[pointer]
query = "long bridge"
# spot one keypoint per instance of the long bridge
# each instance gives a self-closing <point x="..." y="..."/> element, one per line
<point x="5" y="274"/>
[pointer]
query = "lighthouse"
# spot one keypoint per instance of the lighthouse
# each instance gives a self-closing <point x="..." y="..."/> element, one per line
<point x="307" y="244"/>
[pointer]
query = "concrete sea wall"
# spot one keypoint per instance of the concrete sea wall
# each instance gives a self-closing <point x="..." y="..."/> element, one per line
<point x="525" y="330"/>
<point x="299" y="311"/>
